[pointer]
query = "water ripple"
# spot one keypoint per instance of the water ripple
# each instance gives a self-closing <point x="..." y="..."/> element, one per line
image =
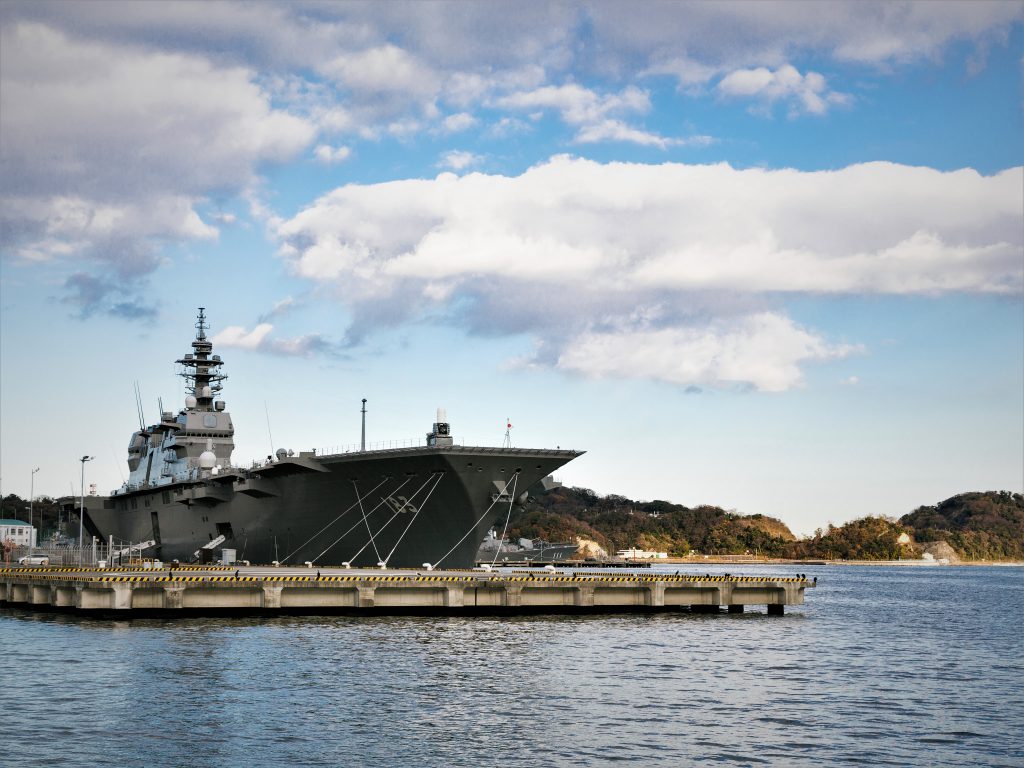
<point x="881" y="666"/>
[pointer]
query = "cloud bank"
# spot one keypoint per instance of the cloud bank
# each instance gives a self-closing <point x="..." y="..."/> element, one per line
<point x="260" y="340"/>
<point x="108" y="151"/>
<point x="120" y="122"/>
<point x="605" y="264"/>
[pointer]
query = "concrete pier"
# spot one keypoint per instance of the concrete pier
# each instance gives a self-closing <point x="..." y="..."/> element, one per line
<point x="213" y="590"/>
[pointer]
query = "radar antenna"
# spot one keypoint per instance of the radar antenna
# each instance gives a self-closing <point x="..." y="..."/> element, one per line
<point x="201" y="369"/>
<point x="201" y="325"/>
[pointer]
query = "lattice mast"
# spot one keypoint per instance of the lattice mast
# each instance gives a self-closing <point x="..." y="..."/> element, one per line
<point x="201" y="369"/>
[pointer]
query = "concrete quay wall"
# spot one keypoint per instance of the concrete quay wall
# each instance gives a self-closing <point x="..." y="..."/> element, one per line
<point x="257" y="591"/>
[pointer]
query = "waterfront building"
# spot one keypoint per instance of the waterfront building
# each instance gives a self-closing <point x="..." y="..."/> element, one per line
<point x="641" y="554"/>
<point x="18" y="531"/>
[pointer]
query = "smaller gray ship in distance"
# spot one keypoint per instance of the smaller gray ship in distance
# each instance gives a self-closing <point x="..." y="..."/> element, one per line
<point x="496" y="551"/>
<point x="422" y="506"/>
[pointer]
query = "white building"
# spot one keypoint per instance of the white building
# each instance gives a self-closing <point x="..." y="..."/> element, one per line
<point x="641" y="554"/>
<point x="18" y="531"/>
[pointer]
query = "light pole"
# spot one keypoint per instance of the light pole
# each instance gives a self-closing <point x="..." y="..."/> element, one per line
<point x="81" y="510"/>
<point x="31" y="503"/>
<point x="362" y="444"/>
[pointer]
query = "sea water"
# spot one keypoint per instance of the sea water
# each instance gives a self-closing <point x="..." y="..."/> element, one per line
<point x="901" y="666"/>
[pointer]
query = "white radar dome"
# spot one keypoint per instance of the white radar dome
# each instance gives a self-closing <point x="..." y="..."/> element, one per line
<point x="190" y="402"/>
<point x="207" y="460"/>
<point x="207" y="392"/>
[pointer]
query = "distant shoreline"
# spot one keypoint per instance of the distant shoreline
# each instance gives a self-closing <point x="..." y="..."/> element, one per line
<point x="740" y="560"/>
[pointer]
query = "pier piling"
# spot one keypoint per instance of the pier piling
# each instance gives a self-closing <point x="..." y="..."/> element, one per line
<point x="213" y="590"/>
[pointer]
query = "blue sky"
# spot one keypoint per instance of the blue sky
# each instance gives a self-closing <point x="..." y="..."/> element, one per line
<point x="761" y="255"/>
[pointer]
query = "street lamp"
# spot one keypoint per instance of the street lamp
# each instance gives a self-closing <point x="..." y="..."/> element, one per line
<point x="31" y="502"/>
<point x="81" y="511"/>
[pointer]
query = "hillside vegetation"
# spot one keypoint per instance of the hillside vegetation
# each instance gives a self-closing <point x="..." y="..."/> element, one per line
<point x="616" y="522"/>
<point x="978" y="526"/>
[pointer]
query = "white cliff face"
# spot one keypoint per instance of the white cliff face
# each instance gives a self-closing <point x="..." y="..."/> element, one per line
<point x="941" y="550"/>
<point x="589" y="548"/>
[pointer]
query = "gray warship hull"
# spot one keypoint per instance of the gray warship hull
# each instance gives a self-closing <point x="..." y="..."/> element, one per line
<point x="404" y="507"/>
<point x="550" y="553"/>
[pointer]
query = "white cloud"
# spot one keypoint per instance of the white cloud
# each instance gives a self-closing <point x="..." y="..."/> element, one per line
<point x="508" y="126"/>
<point x="168" y="121"/>
<point x="459" y="160"/>
<point x="576" y="104"/>
<point x="259" y="340"/>
<point x="108" y="149"/>
<point x="806" y="93"/>
<point x="146" y="111"/>
<point x="402" y="128"/>
<point x="333" y="119"/>
<point x="394" y="59"/>
<point x="238" y="337"/>
<point x="579" y="253"/>
<point x="506" y="36"/>
<point x="762" y="350"/>
<point x="591" y="112"/>
<point x="458" y="122"/>
<point x="282" y="307"/>
<point x="469" y="88"/>
<point x="690" y="74"/>
<point x="330" y="155"/>
<point x="385" y="68"/>
<point x="616" y="130"/>
<point x="733" y="35"/>
<point x="59" y="226"/>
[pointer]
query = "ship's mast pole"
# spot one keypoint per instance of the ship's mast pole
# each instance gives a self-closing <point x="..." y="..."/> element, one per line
<point x="362" y="444"/>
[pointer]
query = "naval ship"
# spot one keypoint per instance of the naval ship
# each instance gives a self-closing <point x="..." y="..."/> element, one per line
<point x="420" y="507"/>
<point x="494" y="550"/>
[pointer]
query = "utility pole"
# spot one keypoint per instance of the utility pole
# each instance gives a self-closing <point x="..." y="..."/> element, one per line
<point x="362" y="444"/>
<point x="31" y="502"/>
<point x="81" y="510"/>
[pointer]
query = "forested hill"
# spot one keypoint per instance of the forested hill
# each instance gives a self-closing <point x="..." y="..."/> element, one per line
<point x="978" y="526"/>
<point x="616" y="522"/>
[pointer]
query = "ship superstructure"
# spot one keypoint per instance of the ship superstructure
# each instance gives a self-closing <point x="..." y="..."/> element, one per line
<point x="496" y="550"/>
<point x="200" y="437"/>
<point x="427" y="505"/>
